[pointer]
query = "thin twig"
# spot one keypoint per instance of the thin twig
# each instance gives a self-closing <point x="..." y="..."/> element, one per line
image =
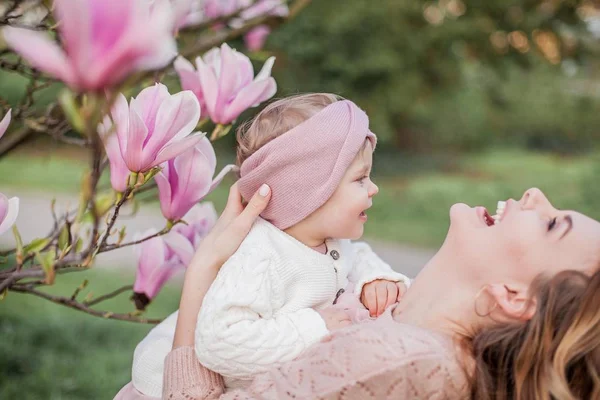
<point x="118" y="246"/>
<point x="113" y="218"/>
<point x="82" y="307"/>
<point x="108" y="295"/>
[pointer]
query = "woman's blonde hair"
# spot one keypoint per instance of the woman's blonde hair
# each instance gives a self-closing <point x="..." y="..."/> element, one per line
<point x="278" y="118"/>
<point x="555" y="355"/>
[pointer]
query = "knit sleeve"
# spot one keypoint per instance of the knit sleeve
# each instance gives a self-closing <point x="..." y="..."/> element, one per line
<point x="242" y="329"/>
<point x="185" y="378"/>
<point x="367" y="267"/>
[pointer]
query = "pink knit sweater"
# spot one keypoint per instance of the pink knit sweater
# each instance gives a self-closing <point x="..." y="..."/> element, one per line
<point x="382" y="359"/>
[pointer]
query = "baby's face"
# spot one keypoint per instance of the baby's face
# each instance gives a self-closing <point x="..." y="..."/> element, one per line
<point x="343" y="216"/>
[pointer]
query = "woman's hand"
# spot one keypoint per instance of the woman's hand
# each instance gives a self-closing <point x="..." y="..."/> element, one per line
<point x="232" y="226"/>
<point x="220" y="244"/>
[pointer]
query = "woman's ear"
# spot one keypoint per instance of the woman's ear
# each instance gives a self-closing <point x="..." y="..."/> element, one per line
<point x="512" y="302"/>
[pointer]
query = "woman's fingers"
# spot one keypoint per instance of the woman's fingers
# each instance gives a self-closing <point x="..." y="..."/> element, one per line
<point x="255" y="206"/>
<point x="234" y="204"/>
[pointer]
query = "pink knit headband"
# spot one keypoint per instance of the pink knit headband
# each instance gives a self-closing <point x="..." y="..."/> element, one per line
<point x="305" y="165"/>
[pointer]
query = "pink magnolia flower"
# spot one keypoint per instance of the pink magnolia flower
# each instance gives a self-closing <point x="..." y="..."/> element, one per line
<point x="262" y="7"/>
<point x="5" y="122"/>
<point x="255" y="39"/>
<point x="155" y="126"/>
<point x="218" y="8"/>
<point x="9" y="210"/>
<point x="185" y="12"/>
<point x="187" y="179"/>
<point x="225" y="79"/>
<point x="158" y="260"/>
<point x="103" y="41"/>
<point x="119" y="173"/>
<point x="198" y="222"/>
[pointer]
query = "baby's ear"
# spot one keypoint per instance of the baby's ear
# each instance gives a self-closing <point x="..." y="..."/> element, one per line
<point x="512" y="301"/>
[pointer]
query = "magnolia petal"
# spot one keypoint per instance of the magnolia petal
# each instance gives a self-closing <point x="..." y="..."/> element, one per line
<point x="136" y="135"/>
<point x="41" y="52"/>
<point x="180" y="246"/>
<point x="119" y="173"/>
<point x="246" y="98"/>
<point x="265" y="71"/>
<point x="164" y="194"/>
<point x="177" y="147"/>
<point x="120" y="117"/>
<point x="3" y="206"/>
<point x="210" y="87"/>
<point x="206" y="147"/>
<point x="220" y="176"/>
<point x="5" y="122"/>
<point x="176" y="118"/>
<point x="11" y="215"/>
<point x="151" y="256"/>
<point x="160" y="276"/>
<point x="148" y="102"/>
<point x="228" y="80"/>
<point x="75" y="30"/>
<point x="187" y="75"/>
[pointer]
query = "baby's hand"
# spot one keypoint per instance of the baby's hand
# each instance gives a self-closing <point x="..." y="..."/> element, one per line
<point x="335" y="318"/>
<point x="378" y="295"/>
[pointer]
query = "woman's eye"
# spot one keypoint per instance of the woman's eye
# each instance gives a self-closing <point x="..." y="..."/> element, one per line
<point x="552" y="223"/>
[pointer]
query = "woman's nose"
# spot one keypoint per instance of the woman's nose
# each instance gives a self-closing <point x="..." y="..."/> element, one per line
<point x="534" y="198"/>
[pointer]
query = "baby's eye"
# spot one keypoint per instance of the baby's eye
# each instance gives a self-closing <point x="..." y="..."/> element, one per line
<point x="362" y="179"/>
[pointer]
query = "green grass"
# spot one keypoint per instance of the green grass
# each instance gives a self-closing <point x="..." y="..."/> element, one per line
<point x="53" y="352"/>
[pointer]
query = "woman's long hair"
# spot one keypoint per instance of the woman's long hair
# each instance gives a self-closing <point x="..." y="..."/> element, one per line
<point x="555" y="355"/>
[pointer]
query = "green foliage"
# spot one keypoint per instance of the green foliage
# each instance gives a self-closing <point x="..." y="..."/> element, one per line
<point x="52" y="352"/>
<point x="412" y="76"/>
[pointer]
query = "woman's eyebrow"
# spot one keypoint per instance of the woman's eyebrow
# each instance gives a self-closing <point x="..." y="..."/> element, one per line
<point x="569" y="220"/>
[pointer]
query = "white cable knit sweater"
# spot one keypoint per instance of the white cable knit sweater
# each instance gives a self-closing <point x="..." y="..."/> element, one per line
<point x="260" y="310"/>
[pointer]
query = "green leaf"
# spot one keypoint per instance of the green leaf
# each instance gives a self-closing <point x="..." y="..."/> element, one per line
<point x="19" y="241"/>
<point x="104" y="202"/>
<point x="64" y="239"/>
<point x="47" y="260"/>
<point x="69" y="106"/>
<point x="78" y="245"/>
<point x="122" y="233"/>
<point x="36" y="245"/>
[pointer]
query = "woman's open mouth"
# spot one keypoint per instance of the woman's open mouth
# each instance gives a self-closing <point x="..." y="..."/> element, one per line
<point x="485" y="216"/>
<point x="488" y="219"/>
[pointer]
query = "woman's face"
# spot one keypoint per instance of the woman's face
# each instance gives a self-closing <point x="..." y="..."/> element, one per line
<point x="532" y="237"/>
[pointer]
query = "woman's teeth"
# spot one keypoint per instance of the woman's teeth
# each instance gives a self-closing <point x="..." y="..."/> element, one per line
<point x="499" y="212"/>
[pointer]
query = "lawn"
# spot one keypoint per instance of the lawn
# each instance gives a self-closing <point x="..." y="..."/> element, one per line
<point x="52" y="352"/>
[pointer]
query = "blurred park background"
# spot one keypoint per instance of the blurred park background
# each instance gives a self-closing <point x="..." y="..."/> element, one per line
<point x="474" y="101"/>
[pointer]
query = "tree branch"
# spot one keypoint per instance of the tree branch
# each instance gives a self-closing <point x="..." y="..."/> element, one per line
<point x="82" y="307"/>
<point x="108" y="295"/>
<point x="118" y="246"/>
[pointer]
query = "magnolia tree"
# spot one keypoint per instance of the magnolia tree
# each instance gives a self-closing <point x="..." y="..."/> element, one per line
<point x="104" y="52"/>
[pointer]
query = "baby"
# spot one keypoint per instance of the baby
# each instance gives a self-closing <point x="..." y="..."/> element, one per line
<point x="272" y="299"/>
